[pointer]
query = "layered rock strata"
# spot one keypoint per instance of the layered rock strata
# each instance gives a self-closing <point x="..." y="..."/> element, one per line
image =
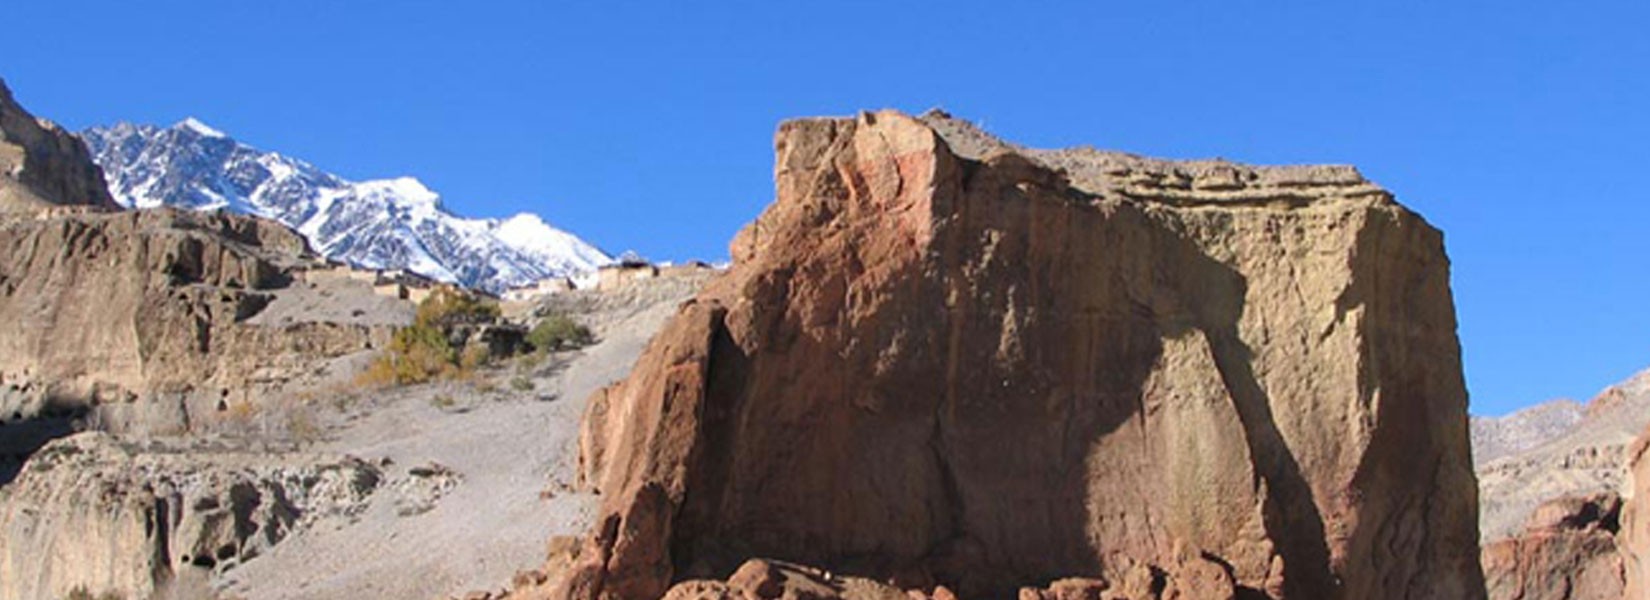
<point x="939" y="359"/>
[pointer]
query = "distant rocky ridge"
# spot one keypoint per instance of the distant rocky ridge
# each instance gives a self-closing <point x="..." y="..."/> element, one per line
<point x="1555" y="450"/>
<point x="1590" y="546"/>
<point x="391" y="224"/>
<point x="948" y="363"/>
<point x="1563" y="494"/>
<point x="1495" y="437"/>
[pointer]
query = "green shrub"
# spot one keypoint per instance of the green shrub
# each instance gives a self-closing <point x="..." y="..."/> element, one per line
<point x="521" y="384"/>
<point x="529" y="362"/>
<point x="559" y="332"/>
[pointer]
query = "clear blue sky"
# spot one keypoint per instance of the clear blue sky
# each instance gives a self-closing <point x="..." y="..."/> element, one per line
<point x="1520" y="128"/>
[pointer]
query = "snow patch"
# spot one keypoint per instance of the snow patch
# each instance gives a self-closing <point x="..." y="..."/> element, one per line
<point x="196" y="126"/>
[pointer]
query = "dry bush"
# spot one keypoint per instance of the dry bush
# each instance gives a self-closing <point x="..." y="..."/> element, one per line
<point x="421" y="352"/>
<point x="474" y="357"/>
<point x="241" y="415"/>
<point x="80" y="593"/>
<point x="448" y="306"/>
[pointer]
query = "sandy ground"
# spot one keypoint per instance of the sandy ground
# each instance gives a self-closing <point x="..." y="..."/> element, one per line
<point x="343" y="301"/>
<point x="507" y="448"/>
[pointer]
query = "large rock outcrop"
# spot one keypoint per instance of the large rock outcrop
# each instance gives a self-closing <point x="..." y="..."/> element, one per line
<point x="942" y="359"/>
<point x="42" y="166"/>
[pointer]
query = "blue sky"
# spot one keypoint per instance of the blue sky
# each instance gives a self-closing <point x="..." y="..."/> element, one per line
<point x="1519" y="128"/>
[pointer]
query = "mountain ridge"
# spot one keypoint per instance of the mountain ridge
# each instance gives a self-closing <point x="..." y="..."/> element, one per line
<point x="376" y="223"/>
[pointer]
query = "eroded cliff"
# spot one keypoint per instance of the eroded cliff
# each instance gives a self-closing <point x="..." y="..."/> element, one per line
<point x="144" y="313"/>
<point x="942" y="359"/>
<point x="42" y="166"/>
<point x="102" y="515"/>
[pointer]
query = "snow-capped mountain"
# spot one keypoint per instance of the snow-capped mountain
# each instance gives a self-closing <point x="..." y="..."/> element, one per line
<point x="388" y="223"/>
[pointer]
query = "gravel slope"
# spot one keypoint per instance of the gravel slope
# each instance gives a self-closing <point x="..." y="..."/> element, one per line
<point x="511" y="452"/>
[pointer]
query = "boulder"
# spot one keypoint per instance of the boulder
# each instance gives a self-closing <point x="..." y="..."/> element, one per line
<point x="938" y="352"/>
<point x="1567" y="551"/>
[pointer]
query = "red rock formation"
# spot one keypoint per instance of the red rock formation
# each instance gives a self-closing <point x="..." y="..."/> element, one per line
<point x="1566" y="552"/>
<point x="999" y="368"/>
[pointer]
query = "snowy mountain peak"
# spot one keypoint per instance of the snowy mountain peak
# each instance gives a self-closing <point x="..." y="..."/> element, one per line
<point x="384" y="223"/>
<point x="193" y="124"/>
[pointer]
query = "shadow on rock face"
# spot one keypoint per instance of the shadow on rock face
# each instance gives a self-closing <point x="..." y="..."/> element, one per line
<point x="21" y="435"/>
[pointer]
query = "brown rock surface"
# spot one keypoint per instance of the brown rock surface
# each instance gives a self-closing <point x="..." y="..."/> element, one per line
<point x="150" y="305"/>
<point x="102" y="306"/>
<point x="1555" y="460"/>
<point x="1567" y="551"/>
<point x="939" y="353"/>
<point x="1634" y="538"/>
<point x="42" y="166"/>
<point x="94" y="513"/>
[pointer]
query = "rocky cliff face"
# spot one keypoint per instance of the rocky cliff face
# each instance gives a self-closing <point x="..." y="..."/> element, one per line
<point x="113" y="308"/>
<point x="1635" y="525"/>
<point x="939" y="358"/>
<point x="96" y="514"/>
<point x="107" y="307"/>
<point x="42" y="166"/>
